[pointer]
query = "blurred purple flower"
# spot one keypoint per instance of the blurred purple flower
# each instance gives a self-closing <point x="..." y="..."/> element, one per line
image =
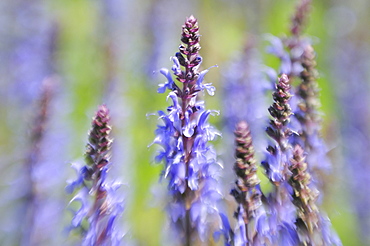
<point x="308" y="117"/>
<point x="350" y="72"/>
<point x="245" y="83"/>
<point x="27" y="46"/>
<point x="299" y="18"/>
<point x="250" y="213"/>
<point x="31" y="48"/>
<point x="32" y="196"/>
<point x="100" y="204"/>
<point x="313" y="228"/>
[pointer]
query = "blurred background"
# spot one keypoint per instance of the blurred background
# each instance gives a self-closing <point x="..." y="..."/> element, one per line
<point x="110" y="51"/>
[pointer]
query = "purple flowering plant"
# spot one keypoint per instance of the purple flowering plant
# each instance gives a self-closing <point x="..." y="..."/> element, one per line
<point x="100" y="207"/>
<point x="288" y="215"/>
<point x="273" y="193"/>
<point x="292" y="216"/>
<point x="190" y="163"/>
<point x="247" y="191"/>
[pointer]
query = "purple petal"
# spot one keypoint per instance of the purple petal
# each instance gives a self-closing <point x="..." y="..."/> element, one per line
<point x="81" y="197"/>
<point x="176" y="211"/>
<point x="169" y="84"/>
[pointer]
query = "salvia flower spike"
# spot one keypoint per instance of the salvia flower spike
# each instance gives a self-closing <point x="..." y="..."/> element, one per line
<point x="313" y="228"/>
<point x="282" y="211"/>
<point x="100" y="205"/>
<point x="190" y="163"/>
<point x="308" y="115"/>
<point x="247" y="192"/>
<point x="304" y="197"/>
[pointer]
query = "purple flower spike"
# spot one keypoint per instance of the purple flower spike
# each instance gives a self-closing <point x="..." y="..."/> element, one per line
<point x="247" y="192"/>
<point x="100" y="205"/>
<point x="303" y="196"/>
<point x="190" y="162"/>
<point x="312" y="227"/>
<point x="282" y="211"/>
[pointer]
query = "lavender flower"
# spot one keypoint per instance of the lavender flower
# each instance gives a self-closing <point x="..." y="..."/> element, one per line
<point x="26" y="54"/>
<point x="250" y="214"/>
<point x="312" y="227"/>
<point x="304" y="198"/>
<point x="282" y="211"/>
<point x="99" y="203"/>
<point x="190" y="163"/>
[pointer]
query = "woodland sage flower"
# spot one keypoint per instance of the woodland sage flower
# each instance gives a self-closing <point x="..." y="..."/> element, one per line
<point x="190" y="163"/>
<point x="281" y="209"/>
<point x="251" y="216"/>
<point x="100" y="205"/>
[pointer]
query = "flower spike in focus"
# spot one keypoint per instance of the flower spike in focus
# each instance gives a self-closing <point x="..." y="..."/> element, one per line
<point x="190" y="163"/>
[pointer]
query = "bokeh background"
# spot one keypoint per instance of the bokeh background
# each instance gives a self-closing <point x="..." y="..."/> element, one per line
<point x="110" y="51"/>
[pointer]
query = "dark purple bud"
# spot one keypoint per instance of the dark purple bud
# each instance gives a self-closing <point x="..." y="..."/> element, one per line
<point x="181" y="59"/>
